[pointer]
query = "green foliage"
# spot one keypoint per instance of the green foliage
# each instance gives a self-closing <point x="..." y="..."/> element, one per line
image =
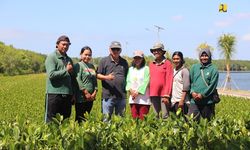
<point x="204" y="46"/>
<point x="17" y="61"/>
<point x="236" y="65"/>
<point x="22" y="126"/>
<point x="226" y="44"/>
<point x="23" y="96"/>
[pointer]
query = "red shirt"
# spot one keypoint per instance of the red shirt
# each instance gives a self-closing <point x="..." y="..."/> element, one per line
<point x="161" y="78"/>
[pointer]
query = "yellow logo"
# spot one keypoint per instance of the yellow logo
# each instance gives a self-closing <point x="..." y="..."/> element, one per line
<point x="223" y="8"/>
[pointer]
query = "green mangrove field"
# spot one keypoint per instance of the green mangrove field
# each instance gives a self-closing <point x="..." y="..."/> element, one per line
<point x="22" y="124"/>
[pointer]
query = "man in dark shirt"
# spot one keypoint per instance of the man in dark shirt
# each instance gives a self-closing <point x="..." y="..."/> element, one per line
<point x="112" y="70"/>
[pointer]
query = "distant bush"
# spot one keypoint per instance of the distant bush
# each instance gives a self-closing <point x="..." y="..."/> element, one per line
<point x="18" y="61"/>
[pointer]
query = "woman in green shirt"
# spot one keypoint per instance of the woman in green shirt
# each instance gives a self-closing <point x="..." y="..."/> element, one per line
<point x="204" y="79"/>
<point x="87" y="84"/>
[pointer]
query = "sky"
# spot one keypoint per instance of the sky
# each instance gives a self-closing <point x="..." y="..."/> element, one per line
<point x="36" y="25"/>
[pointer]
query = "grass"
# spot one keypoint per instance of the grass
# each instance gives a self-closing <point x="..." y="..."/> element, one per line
<point x="22" y="124"/>
<point x="24" y="96"/>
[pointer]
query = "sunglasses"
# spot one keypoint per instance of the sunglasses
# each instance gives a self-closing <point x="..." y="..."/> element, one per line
<point x="155" y="50"/>
<point x="65" y="43"/>
<point x="115" y="49"/>
<point x="137" y="57"/>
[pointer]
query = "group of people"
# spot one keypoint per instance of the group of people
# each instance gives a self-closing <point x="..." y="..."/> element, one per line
<point x="163" y="85"/>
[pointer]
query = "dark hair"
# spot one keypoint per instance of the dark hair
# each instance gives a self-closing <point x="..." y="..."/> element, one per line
<point x="85" y="48"/>
<point x="178" y="53"/>
<point x="62" y="38"/>
<point x="143" y="63"/>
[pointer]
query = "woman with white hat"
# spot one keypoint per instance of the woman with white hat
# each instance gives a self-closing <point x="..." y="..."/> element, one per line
<point x="137" y="85"/>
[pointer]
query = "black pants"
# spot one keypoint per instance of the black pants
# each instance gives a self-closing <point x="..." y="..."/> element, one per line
<point x="57" y="103"/>
<point x="175" y="108"/>
<point x="81" y="109"/>
<point x="204" y="111"/>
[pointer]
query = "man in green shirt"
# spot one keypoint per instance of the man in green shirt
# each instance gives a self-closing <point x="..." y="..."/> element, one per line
<point x="204" y="79"/>
<point x="59" y="89"/>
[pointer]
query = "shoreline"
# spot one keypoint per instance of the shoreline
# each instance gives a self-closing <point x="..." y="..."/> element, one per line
<point x="221" y="71"/>
<point x="235" y="93"/>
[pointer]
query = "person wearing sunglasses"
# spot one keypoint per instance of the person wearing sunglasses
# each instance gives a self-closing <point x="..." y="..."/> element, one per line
<point x="161" y="77"/>
<point x="112" y="70"/>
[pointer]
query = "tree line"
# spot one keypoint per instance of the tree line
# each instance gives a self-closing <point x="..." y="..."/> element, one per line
<point x="19" y="61"/>
<point x="16" y="61"/>
<point x="236" y="65"/>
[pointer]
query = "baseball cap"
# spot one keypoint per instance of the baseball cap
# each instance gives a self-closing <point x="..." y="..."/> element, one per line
<point x="138" y="53"/>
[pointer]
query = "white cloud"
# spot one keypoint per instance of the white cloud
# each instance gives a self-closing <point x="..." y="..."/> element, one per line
<point x="223" y="23"/>
<point x="246" y="37"/>
<point x="210" y="32"/>
<point x="243" y="16"/>
<point x="10" y="34"/>
<point x="177" y="18"/>
<point x="233" y="19"/>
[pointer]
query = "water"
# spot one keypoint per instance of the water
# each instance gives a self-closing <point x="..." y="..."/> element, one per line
<point x="239" y="80"/>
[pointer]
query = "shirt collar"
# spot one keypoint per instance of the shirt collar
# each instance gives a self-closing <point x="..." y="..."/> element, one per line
<point x="162" y="62"/>
<point x="59" y="55"/>
<point x="180" y="68"/>
<point x="202" y="66"/>
<point x="112" y="60"/>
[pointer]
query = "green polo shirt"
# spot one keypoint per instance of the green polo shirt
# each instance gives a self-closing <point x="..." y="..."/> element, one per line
<point x="58" y="78"/>
<point x="86" y="79"/>
<point x="198" y="85"/>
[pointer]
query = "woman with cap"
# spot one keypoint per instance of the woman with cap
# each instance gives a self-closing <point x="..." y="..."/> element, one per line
<point x="181" y="84"/>
<point x="87" y="84"/>
<point x="137" y="86"/>
<point x="161" y="77"/>
<point x="204" y="79"/>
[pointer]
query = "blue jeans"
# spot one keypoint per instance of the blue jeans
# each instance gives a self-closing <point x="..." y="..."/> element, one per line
<point x="111" y="104"/>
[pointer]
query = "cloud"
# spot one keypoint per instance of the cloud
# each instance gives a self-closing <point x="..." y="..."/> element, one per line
<point x="243" y="16"/>
<point x="210" y="32"/>
<point x="223" y="23"/>
<point x="177" y="18"/>
<point x="10" y="34"/>
<point x="233" y="19"/>
<point x="246" y="37"/>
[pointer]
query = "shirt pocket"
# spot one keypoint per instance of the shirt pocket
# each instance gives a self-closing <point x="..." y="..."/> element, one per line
<point x="163" y="70"/>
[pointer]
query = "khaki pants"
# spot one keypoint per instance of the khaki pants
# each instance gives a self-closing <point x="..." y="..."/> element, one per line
<point x="159" y="106"/>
